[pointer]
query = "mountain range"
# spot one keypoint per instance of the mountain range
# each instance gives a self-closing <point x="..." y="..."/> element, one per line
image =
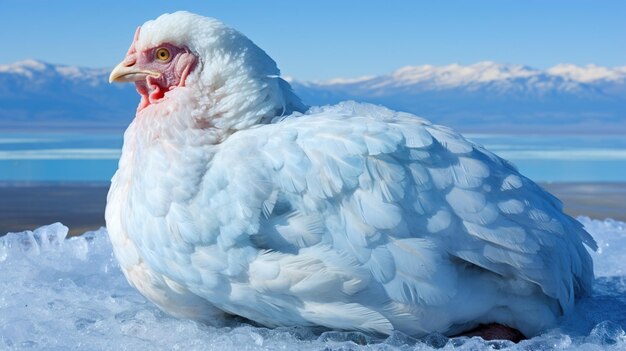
<point x="483" y="97"/>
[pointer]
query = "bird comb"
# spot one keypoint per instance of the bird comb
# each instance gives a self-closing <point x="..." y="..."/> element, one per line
<point x="132" y="49"/>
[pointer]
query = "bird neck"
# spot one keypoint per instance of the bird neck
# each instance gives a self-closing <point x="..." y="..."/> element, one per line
<point x="158" y="155"/>
<point x="239" y="102"/>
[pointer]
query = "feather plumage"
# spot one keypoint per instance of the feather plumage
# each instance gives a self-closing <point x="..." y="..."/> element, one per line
<point x="350" y="216"/>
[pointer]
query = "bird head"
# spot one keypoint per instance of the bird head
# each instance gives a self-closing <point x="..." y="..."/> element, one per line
<point x="221" y="77"/>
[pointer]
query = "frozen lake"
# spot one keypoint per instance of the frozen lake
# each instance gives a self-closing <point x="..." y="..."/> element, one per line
<point x="39" y="157"/>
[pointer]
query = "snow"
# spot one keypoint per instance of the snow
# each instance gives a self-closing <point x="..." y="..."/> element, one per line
<point x="456" y="75"/>
<point x="25" y="67"/>
<point x="59" y="293"/>
<point x="588" y="73"/>
<point x="33" y="69"/>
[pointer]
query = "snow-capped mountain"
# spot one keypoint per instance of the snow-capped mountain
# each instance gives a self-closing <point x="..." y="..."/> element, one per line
<point x="491" y="96"/>
<point x="497" y="77"/>
<point x="35" y="94"/>
<point x="485" y="96"/>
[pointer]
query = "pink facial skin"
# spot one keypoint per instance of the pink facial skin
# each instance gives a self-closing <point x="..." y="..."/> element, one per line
<point x="173" y="71"/>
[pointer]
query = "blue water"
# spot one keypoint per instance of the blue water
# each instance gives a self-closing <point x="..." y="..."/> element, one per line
<point x="562" y="158"/>
<point x="37" y="157"/>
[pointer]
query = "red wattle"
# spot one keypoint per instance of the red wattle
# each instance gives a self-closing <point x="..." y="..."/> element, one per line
<point x="142" y="89"/>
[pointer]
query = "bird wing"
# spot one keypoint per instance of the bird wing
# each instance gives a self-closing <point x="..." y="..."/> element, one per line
<point x="399" y="197"/>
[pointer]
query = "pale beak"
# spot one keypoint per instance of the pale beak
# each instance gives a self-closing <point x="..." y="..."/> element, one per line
<point x="127" y="72"/>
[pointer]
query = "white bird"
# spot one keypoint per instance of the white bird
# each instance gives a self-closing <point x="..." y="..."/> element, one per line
<point x="232" y="198"/>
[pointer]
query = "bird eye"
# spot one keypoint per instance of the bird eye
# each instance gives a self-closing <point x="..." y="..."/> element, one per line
<point x="162" y="54"/>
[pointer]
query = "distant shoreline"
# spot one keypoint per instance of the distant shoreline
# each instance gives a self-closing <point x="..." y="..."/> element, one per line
<point x="80" y="206"/>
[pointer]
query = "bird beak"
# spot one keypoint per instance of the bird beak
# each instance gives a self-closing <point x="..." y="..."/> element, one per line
<point x="127" y="72"/>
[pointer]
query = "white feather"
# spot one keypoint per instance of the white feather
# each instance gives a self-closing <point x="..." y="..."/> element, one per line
<point x="350" y="216"/>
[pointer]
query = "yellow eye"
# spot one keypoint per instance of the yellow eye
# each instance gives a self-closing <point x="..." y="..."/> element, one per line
<point x="162" y="54"/>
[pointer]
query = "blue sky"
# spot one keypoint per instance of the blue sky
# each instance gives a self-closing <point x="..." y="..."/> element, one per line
<point x="324" y="39"/>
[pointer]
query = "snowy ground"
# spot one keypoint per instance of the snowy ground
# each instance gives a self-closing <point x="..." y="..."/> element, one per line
<point x="65" y="294"/>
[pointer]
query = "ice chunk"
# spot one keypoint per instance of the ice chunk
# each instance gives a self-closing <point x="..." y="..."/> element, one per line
<point x="611" y="238"/>
<point x="607" y="333"/>
<point x="61" y="294"/>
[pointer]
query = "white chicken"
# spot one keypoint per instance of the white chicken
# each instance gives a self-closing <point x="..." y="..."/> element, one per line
<point x="232" y="198"/>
